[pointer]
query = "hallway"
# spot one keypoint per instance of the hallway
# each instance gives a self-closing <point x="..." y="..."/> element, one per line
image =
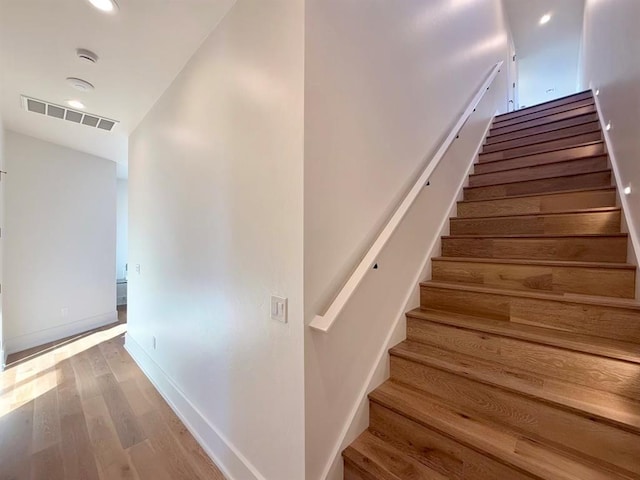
<point x="84" y="411"/>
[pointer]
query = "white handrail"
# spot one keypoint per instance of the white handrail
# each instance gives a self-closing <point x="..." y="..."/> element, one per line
<point x="324" y="322"/>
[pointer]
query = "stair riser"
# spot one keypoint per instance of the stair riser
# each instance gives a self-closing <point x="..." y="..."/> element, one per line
<point x="579" y="249"/>
<point x="542" y="137"/>
<point x="500" y="130"/>
<point x="533" y="418"/>
<point x="576" y="223"/>
<point x="614" y="282"/>
<point x="436" y="450"/>
<point x="498" y="123"/>
<point x="550" y="127"/>
<point x="538" y="204"/>
<point x="541" y="147"/>
<point x="600" y="373"/>
<point x="544" y="107"/>
<point x="547" y="185"/>
<point x="600" y="321"/>
<point x="572" y="167"/>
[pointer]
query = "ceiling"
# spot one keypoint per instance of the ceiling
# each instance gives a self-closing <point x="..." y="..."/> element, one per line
<point x="548" y="55"/>
<point x="141" y="49"/>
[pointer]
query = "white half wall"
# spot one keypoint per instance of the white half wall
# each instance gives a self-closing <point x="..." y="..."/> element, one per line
<point x="216" y="225"/>
<point x="611" y="64"/>
<point x="385" y="83"/>
<point x="122" y="227"/>
<point x="59" y="239"/>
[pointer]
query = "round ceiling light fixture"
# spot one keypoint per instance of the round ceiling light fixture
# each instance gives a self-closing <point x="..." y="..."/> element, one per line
<point x="87" y="55"/>
<point x="76" y="104"/>
<point x="545" y="18"/>
<point x="107" y="6"/>
<point x="80" y="84"/>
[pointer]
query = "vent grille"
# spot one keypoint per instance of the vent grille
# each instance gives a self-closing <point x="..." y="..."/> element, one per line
<point x="64" y="113"/>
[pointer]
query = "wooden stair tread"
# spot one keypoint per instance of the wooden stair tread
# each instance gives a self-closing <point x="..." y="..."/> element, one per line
<point x="536" y="165"/>
<point x="495" y="441"/>
<point x="577" y="211"/>
<point x="548" y="194"/>
<point x="550" y="150"/>
<point x="626" y="351"/>
<point x="383" y="461"/>
<point x="558" y="297"/>
<point x="509" y="182"/>
<point x="574" y="111"/>
<point x="552" y="126"/>
<point x="606" y="407"/>
<point x="568" y="99"/>
<point x="541" y="235"/>
<point x="545" y="263"/>
<point x="544" y="114"/>
<point x="543" y="137"/>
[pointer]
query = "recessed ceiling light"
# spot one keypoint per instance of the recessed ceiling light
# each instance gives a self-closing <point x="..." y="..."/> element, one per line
<point x="627" y="190"/>
<point x="544" y="19"/>
<point x="109" y="6"/>
<point x="75" y="104"/>
<point x="608" y="127"/>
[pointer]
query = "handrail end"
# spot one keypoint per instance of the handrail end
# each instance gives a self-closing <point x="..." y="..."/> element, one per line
<point x="320" y="324"/>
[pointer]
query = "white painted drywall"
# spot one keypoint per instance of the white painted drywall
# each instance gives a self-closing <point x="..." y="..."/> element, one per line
<point x="122" y="227"/>
<point x="611" y="64"/>
<point x="385" y="82"/>
<point x="59" y="239"/>
<point x="216" y="225"/>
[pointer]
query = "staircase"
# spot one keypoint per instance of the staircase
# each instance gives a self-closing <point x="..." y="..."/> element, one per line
<point x="523" y="361"/>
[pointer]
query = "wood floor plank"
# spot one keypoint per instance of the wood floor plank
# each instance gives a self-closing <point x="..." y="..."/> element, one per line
<point x="77" y="453"/>
<point x="47" y="464"/>
<point x="113" y="461"/>
<point x="166" y="445"/>
<point x="148" y="463"/>
<point x="46" y="421"/>
<point x="122" y="416"/>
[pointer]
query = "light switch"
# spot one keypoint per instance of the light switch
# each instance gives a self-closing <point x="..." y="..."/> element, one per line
<point x="279" y="309"/>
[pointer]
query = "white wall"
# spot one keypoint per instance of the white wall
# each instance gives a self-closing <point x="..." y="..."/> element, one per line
<point x="215" y="223"/>
<point x="2" y="202"/>
<point x="385" y="82"/>
<point x="122" y="227"/>
<point x="611" y="63"/>
<point x="59" y="242"/>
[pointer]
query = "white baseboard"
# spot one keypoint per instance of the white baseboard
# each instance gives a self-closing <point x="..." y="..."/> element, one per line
<point x="35" y="339"/>
<point x="3" y="359"/>
<point x="225" y="455"/>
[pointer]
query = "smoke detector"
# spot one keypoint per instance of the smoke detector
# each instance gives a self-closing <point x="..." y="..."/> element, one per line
<point x="63" y="113"/>
<point x="80" y="84"/>
<point x="86" y="55"/>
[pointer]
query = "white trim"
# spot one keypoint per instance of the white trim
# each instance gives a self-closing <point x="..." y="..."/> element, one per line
<point x="633" y="230"/>
<point x="35" y="339"/>
<point x="226" y="456"/>
<point x="383" y="352"/>
<point x="3" y="359"/>
<point x="324" y="322"/>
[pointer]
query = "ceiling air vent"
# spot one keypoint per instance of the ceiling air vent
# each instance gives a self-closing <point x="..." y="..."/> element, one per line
<point x="64" y="113"/>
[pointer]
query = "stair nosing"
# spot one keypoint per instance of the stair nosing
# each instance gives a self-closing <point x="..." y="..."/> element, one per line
<point x="538" y="165"/>
<point x="608" y="170"/>
<point x="584" y="211"/>
<point x="543" y="194"/>
<point x="609" y="302"/>
<point x="595" y="122"/>
<point x="541" y="263"/>
<point x="591" y="102"/>
<point x="537" y="126"/>
<point x="546" y="103"/>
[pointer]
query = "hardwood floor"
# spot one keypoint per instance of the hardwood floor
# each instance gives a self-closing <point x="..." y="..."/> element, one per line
<point x="81" y="409"/>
